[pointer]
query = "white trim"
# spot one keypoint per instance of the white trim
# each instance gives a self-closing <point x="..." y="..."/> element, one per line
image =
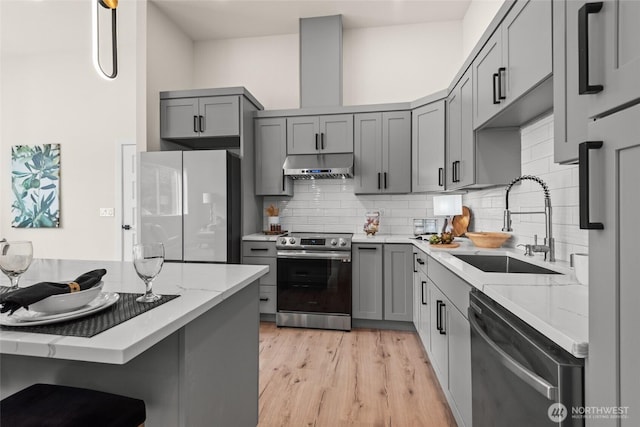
<point x="118" y="196"/>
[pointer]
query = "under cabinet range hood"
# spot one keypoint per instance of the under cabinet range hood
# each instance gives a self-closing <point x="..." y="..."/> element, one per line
<point x="319" y="166"/>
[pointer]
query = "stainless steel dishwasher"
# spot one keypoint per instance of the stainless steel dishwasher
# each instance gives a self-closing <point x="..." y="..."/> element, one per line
<point x="519" y="377"/>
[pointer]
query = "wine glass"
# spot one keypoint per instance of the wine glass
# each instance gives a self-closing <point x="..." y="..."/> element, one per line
<point x="15" y="259"/>
<point x="148" y="259"/>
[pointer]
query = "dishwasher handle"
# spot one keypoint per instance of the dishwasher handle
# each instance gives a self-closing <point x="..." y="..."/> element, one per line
<point x="536" y="382"/>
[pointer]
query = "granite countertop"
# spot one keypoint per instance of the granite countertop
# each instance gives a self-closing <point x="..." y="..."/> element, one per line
<point x="201" y="287"/>
<point x="556" y="305"/>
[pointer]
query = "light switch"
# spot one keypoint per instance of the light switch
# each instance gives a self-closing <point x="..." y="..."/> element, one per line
<point x="107" y="212"/>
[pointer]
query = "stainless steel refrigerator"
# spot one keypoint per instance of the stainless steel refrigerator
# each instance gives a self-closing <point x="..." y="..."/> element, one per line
<point x="191" y="202"/>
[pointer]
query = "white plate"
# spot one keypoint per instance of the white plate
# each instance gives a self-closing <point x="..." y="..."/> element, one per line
<point x="24" y="317"/>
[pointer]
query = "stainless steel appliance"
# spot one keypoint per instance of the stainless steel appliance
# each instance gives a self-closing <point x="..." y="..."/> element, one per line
<point x="314" y="281"/>
<point x="519" y="377"/>
<point x="190" y="201"/>
<point x="319" y="166"/>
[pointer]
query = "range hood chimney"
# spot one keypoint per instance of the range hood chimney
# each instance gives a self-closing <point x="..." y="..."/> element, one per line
<point x="321" y="61"/>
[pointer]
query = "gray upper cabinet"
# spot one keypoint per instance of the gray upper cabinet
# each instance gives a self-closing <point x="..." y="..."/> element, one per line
<point x="570" y="110"/>
<point x="485" y="67"/>
<point x="516" y="58"/>
<point x="614" y="54"/>
<point x="382" y="152"/>
<point x="320" y="134"/>
<point x="271" y="151"/>
<point x="460" y="146"/>
<point x="427" y="148"/>
<point x="398" y="282"/>
<point x="526" y="47"/>
<point x="367" y="281"/>
<point x="199" y="117"/>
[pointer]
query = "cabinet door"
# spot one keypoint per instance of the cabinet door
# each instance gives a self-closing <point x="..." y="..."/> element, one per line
<point x="616" y="55"/>
<point x="486" y="87"/>
<point x="569" y="108"/>
<point x="425" y="311"/>
<point x="271" y="151"/>
<point x="220" y="116"/>
<point x="396" y="152"/>
<point x="416" y="293"/>
<point x="428" y="141"/>
<point x="460" y="362"/>
<point x="336" y="133"/>
<point x="179" y="118"/>
<point x="460" y="147"/>
<point x="205" y="200"/>
<point x="367" y="281"/>
<point x="613" y="304"/>
<point x="367" y="153"/>
<point x="439" y="341"/>
<point x="398" y="282"/>
<point x="160" y="195"/>
<point x="303" y="135"/>
<point x="526" y="47"/>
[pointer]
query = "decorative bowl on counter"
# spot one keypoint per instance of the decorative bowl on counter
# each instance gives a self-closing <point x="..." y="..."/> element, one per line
<point x="66" y="302"/>
<point x="488" y="239"/>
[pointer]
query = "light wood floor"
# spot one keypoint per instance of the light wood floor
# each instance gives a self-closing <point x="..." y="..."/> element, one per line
<point x="365" y="377"/>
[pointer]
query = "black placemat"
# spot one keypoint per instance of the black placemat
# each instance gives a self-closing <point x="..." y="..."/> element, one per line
<point x="126" y="308"/>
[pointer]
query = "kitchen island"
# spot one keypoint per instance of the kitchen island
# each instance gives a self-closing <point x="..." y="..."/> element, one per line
<point x="193" y="360"/>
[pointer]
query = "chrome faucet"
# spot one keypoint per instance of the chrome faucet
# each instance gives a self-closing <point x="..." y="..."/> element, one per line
<point x="549" y="243"/>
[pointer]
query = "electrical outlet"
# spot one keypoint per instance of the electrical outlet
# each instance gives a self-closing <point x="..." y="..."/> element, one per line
<point x="107" y="212"/>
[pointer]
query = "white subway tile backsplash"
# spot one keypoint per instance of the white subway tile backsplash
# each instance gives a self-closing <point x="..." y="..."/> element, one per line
<point x="331" y="205"/>
<point x="537" y="159"/>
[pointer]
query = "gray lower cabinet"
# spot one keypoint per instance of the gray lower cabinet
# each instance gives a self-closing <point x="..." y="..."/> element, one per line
<point x="427" y="147"/>
<point x="398" y="282"/>
<point x="449" y="334"/>
<point x="271" y="151"/>
<point x="614" y="54"/>
<point x="367" y="281"/>
<point x="263" y="253"/>
<point x="382" y="282"/>
<point x="570" y="109"/>
<point x="320" y="134"/>
<point x="421" y="300"/>
<point x="213" y="116"/>
<point x="382" y="152"/>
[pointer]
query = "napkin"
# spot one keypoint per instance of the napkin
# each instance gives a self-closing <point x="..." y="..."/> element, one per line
<point x="23" y="297"/>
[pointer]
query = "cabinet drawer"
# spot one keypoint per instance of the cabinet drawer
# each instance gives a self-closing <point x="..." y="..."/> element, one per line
<point x="455" y="289"/>
<point x="260" y="249"/>
<point x="272" y="276"/>
<point x="420" y="261"/>
<point x="268" y="299"/>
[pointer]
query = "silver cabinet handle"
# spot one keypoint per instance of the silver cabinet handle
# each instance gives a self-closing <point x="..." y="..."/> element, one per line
<point x="536" y="382"/>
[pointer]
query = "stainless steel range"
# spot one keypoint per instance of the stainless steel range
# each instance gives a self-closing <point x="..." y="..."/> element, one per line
<point x="314" y="280"/>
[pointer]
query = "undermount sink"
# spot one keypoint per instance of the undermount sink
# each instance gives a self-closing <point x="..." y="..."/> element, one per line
<point x="502" y="264"/>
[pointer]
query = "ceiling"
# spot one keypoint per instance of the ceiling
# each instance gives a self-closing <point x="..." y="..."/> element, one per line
<point x="220" y="19"/>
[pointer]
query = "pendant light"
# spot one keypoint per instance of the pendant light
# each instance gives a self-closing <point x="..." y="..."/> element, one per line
<point x="111" y="5"/>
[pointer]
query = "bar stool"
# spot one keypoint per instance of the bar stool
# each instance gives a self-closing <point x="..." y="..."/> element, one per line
<point x="46" y="405"/>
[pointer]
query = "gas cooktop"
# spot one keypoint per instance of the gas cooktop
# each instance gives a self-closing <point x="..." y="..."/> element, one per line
<point x="315" y="241"/>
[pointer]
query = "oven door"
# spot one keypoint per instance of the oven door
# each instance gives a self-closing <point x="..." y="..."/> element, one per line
<point x="314" y="282"/>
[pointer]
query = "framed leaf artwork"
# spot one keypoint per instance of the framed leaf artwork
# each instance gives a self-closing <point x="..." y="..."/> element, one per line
<point x="35" y="183"/>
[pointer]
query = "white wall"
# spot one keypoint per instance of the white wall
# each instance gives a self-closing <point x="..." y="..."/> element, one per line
<point x="476" y="20"/>
<point x="50" y="93"/>
<point x="385" y="64"/>
<point x="399" y="63"/>
<point x="170" y="66"/>
<point x="266" y="66"/>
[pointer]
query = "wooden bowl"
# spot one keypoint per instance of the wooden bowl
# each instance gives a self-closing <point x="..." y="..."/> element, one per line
<point x="488" y="239"/>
